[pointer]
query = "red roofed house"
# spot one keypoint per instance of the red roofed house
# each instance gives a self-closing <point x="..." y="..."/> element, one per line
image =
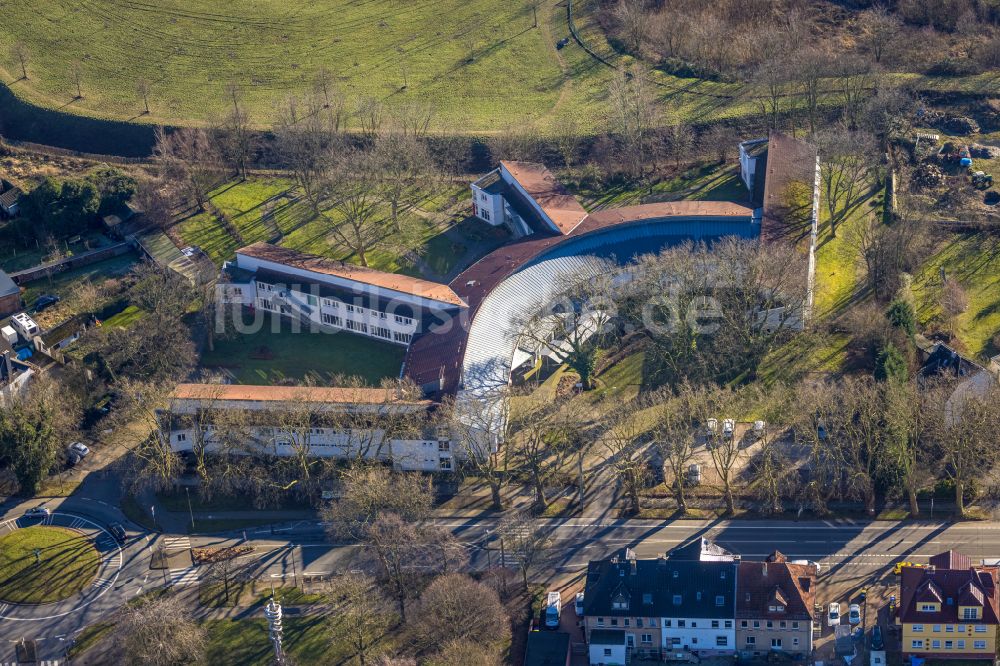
<point x="774" y="601"/>
<point x="949" y="610"/>
<point x="527" y="198"/>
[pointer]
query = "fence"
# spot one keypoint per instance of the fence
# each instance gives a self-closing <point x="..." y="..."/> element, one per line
<point x="84" y="259"/>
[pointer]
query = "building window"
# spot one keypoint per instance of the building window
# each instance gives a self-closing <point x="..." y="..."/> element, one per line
<point x="237" y="291"/>
<point x="720" y="600"/>
<point x="795" y="625"/>
<point x="782" y="624"/>
<point x="721" y="641"/>
<point x="638" y="622"/>
<point x="729" y="624"/>
<point x="675" y="640"/>
<point x="694" y="640"/>
<point x="751" y="640"/>
<point x="928" y="608"/>
<point x="265" y="304"/>
<point x="666" y="623"/>
<point x="357" y="326"/>
<point x="970" y="613"/>
<point x="382" y="332"/>
<point x="948" y="628"/>
<point x="681" y="623"/>
<point x="715" y="624"/>
<point x="446" y="463"/>
<point x="607" y="652"/>
<point x="918" y="628"/>
<point x="351" y="308"/>
<point x="677" y="600"/>
<point x="614" y="622"/>
<point x="485" y="213"/>
<point x="311" y="300"/>
<point x="795" y="642"/>
<point x="744" y="624"/>
<point x="406" y="321"/>
<point x="980" y="629"/>
<point x="332" y="320"/>
<point x="935" y="644"/>
<point x="948" y="645"/>
<point x="647" y="638"/>
<point x="961" y="628"/>
<point x="916" y="643"/>
<point x="936" y="629"/>
<point x="444" y="446"/>
<point x="600" y="622"/>
<point x="402" y="337"/>
<point x="181" y="437"/>
<point x="756" y="624"/>
<point x="776" y="642"/>
<point x="961" y="645"/>
<point x="979" y="645"/>
<point x="770" y="625"/>
<point x="263" y="287"/>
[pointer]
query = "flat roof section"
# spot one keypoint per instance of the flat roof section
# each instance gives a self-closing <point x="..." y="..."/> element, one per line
<point x="403" y="284"/>
<point x="555" y="201"/>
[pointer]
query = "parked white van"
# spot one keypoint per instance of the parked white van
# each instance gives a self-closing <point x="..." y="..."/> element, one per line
<point x="553" y="609"/>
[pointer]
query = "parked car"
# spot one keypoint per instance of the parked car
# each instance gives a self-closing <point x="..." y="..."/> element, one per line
<point x="45" y="301"/>
<point x="694" y="474"/>
<point x="833" y="615"/>
<point x="38" y="512"/>
<point x="711" y="427"/>
<point x="758" y="428"/>
<point x="854" y="614"/>
<point x="728" y="428"/>
<point x="79" y="448"/>
<point x="578" y="607"/>
<point x="118" y="532"/>
<point x="877" y="642"/>
<point x="553" y="609"/>
<point x="809" y="563"/>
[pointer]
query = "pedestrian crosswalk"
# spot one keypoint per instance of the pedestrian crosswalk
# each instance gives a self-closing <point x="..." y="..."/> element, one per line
<point x="173" y="544"/>
<point x="43" y="662"/>
<point x="188" y="576"/>
<point x="102" y="583"/>
<point x="77" y="523"/>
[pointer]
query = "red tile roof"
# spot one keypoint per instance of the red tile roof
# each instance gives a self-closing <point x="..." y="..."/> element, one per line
<point x="555" y="201"/>
<point x="790" y="163"/>
<point x="961" y="586"/>
<point x="318" y="394"/>
<point x="761" y="584"/>
<point x="403" y="284"/>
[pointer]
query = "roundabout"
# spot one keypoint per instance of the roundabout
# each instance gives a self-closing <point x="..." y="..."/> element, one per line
<point x="54" y="566"/>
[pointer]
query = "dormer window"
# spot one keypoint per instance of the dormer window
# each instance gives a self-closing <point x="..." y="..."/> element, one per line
<point x="720" y="600"/>
<point x="620" y="604"/>
<point x="647" y="598"/>
<point x="722" y="574"/>
<point x="928" y="608"/>
<point x="970" y="613"/>
<point x="677" y="574"/>
<point x="677" y="600"/>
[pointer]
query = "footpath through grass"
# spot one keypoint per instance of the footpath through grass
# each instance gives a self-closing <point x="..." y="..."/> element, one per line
<point x="66" y="564"/>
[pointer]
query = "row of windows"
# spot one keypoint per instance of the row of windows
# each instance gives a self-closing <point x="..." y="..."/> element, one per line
<point x="335" y="305"/>
<point x="948" y="628"/>
<point x="968" y="613"/>
<point x="681" y="624"/>
<point x="918" y="643"/>
<point x="775" y="642"/>
<point x="783" y="624"/>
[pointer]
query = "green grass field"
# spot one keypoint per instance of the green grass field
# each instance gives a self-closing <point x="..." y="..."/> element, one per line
<point x="67" y="564"/>
<point x="484" y="66"/>
<point x="265" y="356"/>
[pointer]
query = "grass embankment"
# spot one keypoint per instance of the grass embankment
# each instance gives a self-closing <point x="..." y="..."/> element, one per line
<point x="66" y="564"/>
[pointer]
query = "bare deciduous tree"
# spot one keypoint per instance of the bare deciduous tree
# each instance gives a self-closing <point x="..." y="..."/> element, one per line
<point x="307" y="141"/>
<point x="457" y="608"/>
<point x="625" y="451"/>
<point x="189" y="157"/>
<point x="846" y="170"/>
<point x="879" y="29"/>
<point x="633" y="116"/>
<point x="522" y="541"/>
<point x="157" y="632"/>
<point x="19" y="52"/>
<point x="359" y="617"/>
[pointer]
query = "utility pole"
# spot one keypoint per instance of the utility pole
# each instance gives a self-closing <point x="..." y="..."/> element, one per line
<point x="187" y="491"/>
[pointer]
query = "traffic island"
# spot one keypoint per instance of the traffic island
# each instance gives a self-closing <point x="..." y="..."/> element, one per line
<point x="45" y="564"/>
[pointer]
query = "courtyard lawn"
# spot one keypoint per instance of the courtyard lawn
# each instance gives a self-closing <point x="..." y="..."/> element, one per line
<point x="270" y="355"/>
<point x="245" y="642"/>
<point x="67" y="564"/>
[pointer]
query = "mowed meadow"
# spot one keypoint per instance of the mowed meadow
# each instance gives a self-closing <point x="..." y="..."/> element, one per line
<point x="482" y="64"/>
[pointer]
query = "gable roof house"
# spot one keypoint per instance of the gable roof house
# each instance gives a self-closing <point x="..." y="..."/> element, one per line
<point x="949" y="610"/>
<point x="774" y="604"/>
<point x="676" y="603"/>
<point x="10" y="196"/>
<point x="10" y="295"/>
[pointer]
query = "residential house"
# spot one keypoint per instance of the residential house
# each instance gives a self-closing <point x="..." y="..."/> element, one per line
<point x="10" y="197"/>
<point x="682" y="603"/>
<point x="10" y="295"/>
<point x="348" y="423"/>
<point x="547" y="648"/>
<point x="53" y="341"/>
<point x="608" y="647"/>
<point x="526" y="198"/>
<point x="333" y="295"/>
<point x="949" y="610"/>
<point x="774" y="605"/>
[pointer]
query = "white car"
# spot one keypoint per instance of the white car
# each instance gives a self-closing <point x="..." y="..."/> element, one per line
<point x="728" y="428"/>
<point x="854" y="614"/>
<point x="758" y="428"/>
<point x="809" y="563"/>
<point x="79" y="448"/>
<point x="711" y="427"/>
<point x="833" y="615"/>
<point x="578" y="607"/>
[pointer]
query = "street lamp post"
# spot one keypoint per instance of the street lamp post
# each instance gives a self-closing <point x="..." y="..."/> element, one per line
<point x="187" y="491"/>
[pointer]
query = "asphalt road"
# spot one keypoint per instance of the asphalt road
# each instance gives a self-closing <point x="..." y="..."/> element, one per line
<point x="850" y="553"/>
